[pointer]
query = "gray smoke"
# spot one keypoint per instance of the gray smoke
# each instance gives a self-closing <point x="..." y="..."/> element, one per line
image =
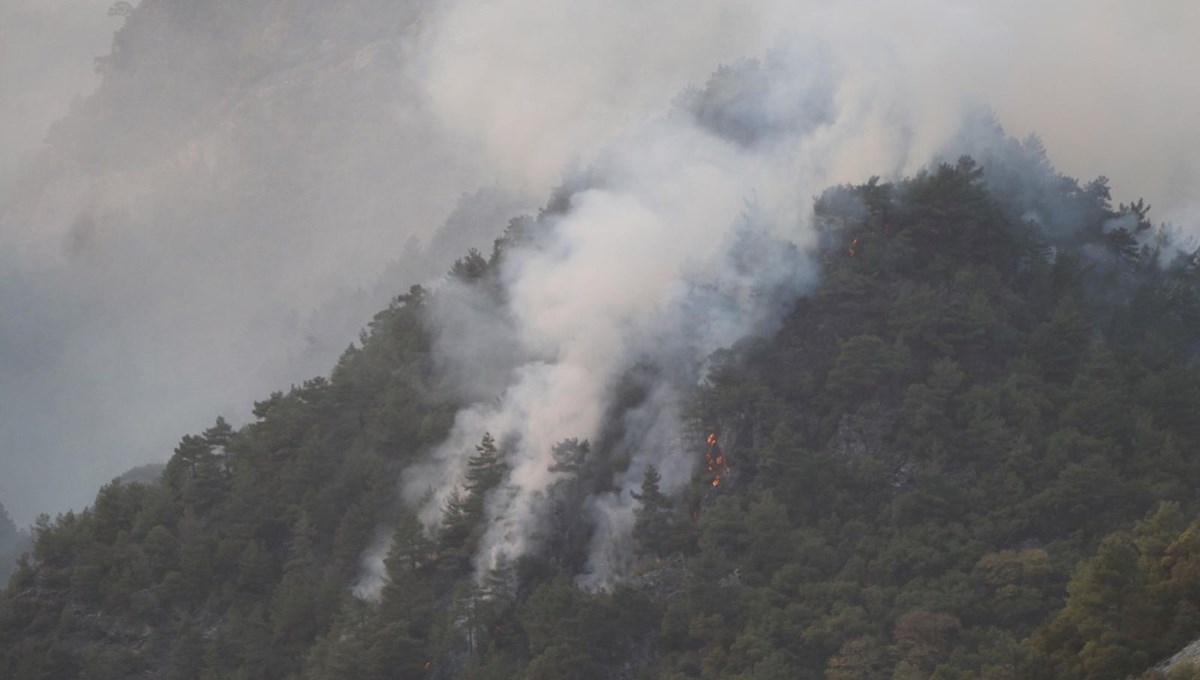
<point x="678" y="239"/>
<point x="621" y="276"/>
<point x="245" y="188"/>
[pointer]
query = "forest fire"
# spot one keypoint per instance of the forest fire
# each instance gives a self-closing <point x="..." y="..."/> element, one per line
<point x="853" y="246"/>
<point x="714" y="460"/>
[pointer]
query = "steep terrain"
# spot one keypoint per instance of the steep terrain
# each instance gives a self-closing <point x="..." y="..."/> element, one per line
<point x="968" y="453"/>
<point x="947" y="433"/>
<point x="282" y="144"/>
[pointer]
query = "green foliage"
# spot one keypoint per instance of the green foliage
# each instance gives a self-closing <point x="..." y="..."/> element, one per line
<point x="239" y="558"/>
<point x="937" y="468"/>
<point x="864" y="365"/>
<point x="485" y="471"/>
<point x="653" y="529"/>
<point x="13" y="543"/>
<point x="1134" y="603"/>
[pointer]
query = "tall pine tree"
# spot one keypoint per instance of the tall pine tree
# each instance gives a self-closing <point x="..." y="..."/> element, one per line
<point x="654" y="524"/>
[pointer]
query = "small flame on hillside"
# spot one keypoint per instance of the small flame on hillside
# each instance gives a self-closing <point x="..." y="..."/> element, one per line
<point x="714" y="460"/>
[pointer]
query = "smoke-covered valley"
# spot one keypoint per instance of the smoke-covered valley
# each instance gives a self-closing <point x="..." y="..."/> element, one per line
<point x="243" y="188"/>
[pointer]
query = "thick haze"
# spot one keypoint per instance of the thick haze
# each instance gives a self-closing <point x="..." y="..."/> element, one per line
<point x="239" y="196"/>
<point x="46" y="52"/>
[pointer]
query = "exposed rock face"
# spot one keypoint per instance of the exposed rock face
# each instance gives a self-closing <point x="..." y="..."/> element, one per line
<point x="664" y="579"/>
<point x="1189" y="656"/>
<point x="861" y="434"/>
<point x="91" y="627"/>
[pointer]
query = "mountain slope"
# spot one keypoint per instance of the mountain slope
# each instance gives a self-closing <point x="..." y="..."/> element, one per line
<point x="283" y="144"/>
<point x="916" y="469"/>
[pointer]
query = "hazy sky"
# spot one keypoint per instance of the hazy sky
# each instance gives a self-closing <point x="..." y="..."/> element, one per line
<point x="192" y="242"/>
<point x="46" y="52"/>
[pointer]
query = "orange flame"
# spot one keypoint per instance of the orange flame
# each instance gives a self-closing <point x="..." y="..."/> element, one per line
<point x="714" y="460"/>
<point x="427" y="665"/>
<point x="853" y="245"/>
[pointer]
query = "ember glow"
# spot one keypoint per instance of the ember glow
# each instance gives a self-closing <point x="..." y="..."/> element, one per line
<point x="714" y="460"/>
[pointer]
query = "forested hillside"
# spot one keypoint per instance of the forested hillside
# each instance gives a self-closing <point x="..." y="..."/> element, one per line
<point x="970" y="453"/>
<point x="281" y="143"/>
<point x="13" y="542"/>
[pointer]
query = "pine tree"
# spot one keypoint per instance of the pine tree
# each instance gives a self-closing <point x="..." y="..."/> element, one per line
<point x="653" y="525"/>
<point x="187" y="655"/>
<point x="197" y="471"/>
<point x="456" y="521"/>
<point x="218" y="437"/>
<point x="494" y="601"/>
<point x="485" y="471"/>
<point x="410" y="550"/>
<point x="570" y="456"/>
<point x="189" y="454"/>
<point x="406" y="596"/>
<point x="454" y="536"/>
<point x="195" y="556"/>
<point x="295" y="611"/>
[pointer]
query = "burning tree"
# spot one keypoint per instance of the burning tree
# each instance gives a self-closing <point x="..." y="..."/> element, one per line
<point x="714" y="460"/>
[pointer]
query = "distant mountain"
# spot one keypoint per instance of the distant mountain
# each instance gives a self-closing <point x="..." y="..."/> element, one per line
<point x="282" y="144"/>
<point x="142" y="474"/>
<point x="948" y="433"/>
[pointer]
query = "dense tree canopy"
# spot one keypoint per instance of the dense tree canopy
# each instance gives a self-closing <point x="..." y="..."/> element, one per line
<point x="970" y="453"/>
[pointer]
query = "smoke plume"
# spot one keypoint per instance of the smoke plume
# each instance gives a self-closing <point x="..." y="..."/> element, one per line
<point x="250" y="181"/>
<point x="685" y="233"/>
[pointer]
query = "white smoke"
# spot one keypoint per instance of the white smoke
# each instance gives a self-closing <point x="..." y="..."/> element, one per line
<point x="372" y="575"/>
<point x="185" y="221"/>
<point x="672" y="246"/>
<point x="646" y="263"/>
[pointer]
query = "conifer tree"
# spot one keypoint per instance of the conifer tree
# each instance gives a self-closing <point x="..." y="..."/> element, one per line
<point x="454" y="536"/>
<point x="295" y="611"/>
<point x="653" y="525"/>
<point x="485" y="471"/>
<point x="405" y="595"/>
